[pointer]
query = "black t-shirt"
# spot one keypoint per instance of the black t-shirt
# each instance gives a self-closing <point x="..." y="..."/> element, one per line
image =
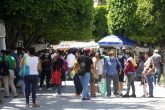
<point x="57" y="65"/>
<point x="121" y="59"/>
<point x="88" y="62"/>
<point x="46" y="59"/>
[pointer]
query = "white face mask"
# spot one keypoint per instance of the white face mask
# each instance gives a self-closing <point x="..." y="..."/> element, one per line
<point x="15" y="51"/>
<point x="119" y="56"/>
<point x="111" y="57"/>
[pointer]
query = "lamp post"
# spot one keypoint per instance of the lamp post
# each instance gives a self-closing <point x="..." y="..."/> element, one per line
<point x="2" y="36"/>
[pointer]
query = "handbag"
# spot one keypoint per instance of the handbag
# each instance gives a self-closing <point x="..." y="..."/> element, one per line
<point x="96" y="76"/>
<point x="24" y="70"/>
<point x="102" y="87"/>
<point x="56" y="77"/>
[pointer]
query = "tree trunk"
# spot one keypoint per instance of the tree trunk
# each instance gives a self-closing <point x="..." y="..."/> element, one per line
<point x="33" y="38"/>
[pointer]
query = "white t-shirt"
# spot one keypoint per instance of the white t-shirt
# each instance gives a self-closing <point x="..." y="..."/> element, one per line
<point x="157" y="59"/>
<point x="32" y="62"/>
<point x="70" y="59"/>
<point x="99" y="66"/>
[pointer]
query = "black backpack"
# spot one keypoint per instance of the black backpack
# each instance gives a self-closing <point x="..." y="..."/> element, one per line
<point x="118" y="65"/>
<point x="82" y="64"/>
<point x="4" y="68"/>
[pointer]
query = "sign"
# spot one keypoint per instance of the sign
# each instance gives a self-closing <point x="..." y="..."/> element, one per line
<point x="141" y="49"/>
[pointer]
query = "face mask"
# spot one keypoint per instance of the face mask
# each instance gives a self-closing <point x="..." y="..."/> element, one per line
<point x="111" y="57"/>
<point x="15" y="51"/>
<point x="119" y="56"/>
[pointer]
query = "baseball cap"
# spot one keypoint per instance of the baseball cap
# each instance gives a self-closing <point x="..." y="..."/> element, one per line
<point x="155" y="51"/>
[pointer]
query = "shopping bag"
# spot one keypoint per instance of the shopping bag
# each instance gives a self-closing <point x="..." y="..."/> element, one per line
<point x="102" y="87"/>
<point x="24" y="70"/>
<point x="56" y="77"/>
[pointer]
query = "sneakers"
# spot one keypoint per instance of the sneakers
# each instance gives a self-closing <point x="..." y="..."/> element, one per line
<point x="133" y="95"/>
<point x="120" y="93"/>
<point x="150" y="96"/>
<point x="125" y="96"/>
<point x="6" y="96"/>
<point x="49" y="89"/>
<point x="116" y="94"/>
<point x="108" y="95"/>
<point x="57" y="95"/>
<point x="40" y="89"/>
<point x="16" y="96"/>
<point x="85" y="98"/>
<point x="35" y="105"/>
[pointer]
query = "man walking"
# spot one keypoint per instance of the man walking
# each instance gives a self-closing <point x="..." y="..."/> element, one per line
<point x="157" y="62"/>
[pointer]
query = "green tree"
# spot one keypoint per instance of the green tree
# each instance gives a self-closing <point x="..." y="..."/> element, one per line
<point x="135" y="19"/>
<point x="102" y="2"/>
<point x="121" y="16"/>
<point x="72" y="20"/>
<point x="144" y="22"/>
<point x="159" y="20"/>
<point x="53" y="20"/>
<point x="100" y="22"/>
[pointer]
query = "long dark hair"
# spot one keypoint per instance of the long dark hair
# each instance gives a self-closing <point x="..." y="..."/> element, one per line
<point x="31" y="51"/>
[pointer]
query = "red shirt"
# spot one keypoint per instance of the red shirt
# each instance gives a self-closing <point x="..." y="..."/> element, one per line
<point x="129" y="67"/>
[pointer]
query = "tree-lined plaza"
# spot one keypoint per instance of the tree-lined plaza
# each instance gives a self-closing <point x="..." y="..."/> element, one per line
<point x="54" y="20"/>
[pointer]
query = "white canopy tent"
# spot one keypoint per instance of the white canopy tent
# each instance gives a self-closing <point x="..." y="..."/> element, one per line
<point x="76" y="44"/>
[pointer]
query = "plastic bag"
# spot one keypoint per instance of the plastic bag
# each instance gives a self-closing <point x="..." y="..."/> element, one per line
<point x="102" y="86"/>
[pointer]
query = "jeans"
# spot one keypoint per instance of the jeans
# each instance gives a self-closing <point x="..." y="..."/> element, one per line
<point x="31" y="86"/>
<point x="150" y="84"/>
<point x="84" y="82"/>
<point x="158" y="73"/>
<point x="58" y="87"/>
<point x="115" y="78"/>
<point x="77" y="84"/>
<point x="130" y="82"/>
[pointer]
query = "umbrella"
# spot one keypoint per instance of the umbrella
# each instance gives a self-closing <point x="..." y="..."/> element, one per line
<point x="113" y="40"/>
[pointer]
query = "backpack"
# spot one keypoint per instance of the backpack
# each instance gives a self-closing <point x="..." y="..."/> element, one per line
<point x="118" y="65"/>
<point x="4" y="68"/>
<point x="133" y="61"/>
<point x="82" y="68"/>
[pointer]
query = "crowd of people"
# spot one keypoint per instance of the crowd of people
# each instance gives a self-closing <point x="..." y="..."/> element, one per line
<point x="84" y="66"/>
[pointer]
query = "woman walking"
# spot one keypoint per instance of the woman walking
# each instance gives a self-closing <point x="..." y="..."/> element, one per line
<point x="31" y="80"/>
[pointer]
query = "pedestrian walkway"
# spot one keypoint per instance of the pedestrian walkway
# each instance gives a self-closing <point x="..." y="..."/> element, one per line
<point x="48" y="101"/>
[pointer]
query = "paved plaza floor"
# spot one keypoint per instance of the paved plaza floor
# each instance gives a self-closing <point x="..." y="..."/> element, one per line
<point x="48" y="101"/>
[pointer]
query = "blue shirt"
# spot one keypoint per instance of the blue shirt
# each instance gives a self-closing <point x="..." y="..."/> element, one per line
<point x="110" y="66"/>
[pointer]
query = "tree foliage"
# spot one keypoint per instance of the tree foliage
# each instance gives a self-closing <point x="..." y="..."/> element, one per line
<point x="100" y="22"/>
<point x="141" y="20"/>
<point x="121" y="16"/>
<point x="53" y="20"/>
<point x="144" y="22"/>
<point x="159" y="19"/>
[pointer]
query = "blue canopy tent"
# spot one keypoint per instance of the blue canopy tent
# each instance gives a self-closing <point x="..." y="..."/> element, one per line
<point x="113" y="40"/>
